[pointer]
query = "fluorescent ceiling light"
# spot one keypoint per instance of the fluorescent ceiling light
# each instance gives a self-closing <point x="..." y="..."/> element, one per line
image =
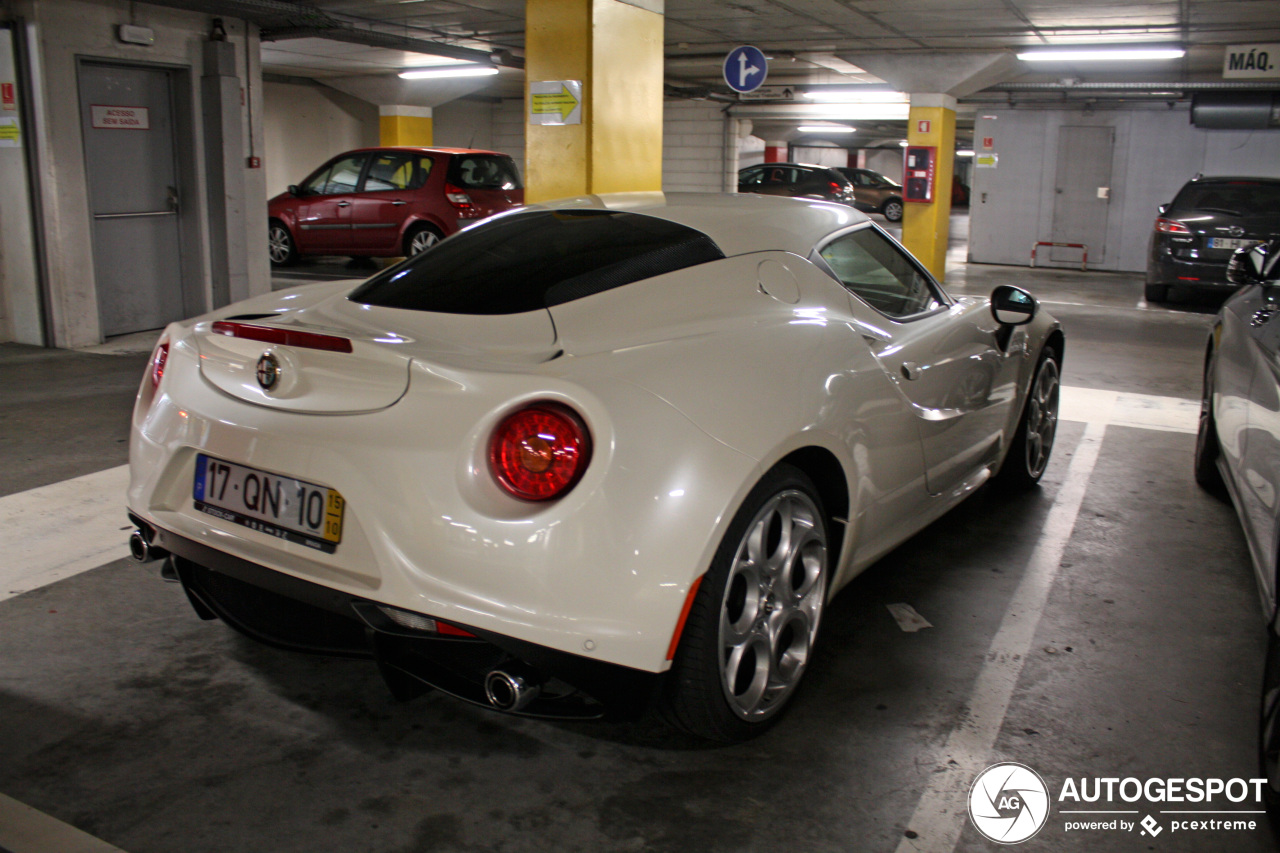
<point x="825" y="128"/>
<point x="903" y="143"/>
<point x="857" y="96"/>
<point x="964" y="153"/>
<point x="1098" y="54"/>
<point x="447" y="71"/>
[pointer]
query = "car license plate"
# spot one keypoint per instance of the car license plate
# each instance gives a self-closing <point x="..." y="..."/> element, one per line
<point x="279" y="506"/>
<point x="1230" y="243"/>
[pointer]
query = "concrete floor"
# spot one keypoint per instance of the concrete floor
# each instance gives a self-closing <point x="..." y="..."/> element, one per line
<point x="124" y="715"/>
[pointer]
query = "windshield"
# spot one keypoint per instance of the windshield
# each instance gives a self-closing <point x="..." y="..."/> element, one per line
<point x="1239" y="197"/>
<point x="536" y="259"/>
<point x="483" y="172"/>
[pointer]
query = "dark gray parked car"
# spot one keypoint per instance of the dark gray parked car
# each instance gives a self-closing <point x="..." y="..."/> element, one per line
<point x="1196" y="234"/>
<point x="797" y="180"/>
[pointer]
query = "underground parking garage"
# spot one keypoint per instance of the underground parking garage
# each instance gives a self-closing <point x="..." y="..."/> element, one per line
<point x="1080" y="664"/>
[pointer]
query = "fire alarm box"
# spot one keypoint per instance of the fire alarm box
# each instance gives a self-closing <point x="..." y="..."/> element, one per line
<point x="920" y="163"/>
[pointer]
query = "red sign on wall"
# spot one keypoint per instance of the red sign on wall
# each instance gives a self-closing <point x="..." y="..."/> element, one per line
<point x="923" y="126"/>
<point x="7" y="98"/>
<point x="988" y="142"/>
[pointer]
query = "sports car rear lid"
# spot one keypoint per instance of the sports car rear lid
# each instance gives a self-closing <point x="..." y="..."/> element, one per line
<point x="534" y="259"/>
<point x="339" y="357"/>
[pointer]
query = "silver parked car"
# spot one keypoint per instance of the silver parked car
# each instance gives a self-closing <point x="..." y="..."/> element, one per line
<point x="1238" y="451"/>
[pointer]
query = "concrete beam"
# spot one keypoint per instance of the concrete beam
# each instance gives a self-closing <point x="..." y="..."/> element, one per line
<point x="955" y="74"/>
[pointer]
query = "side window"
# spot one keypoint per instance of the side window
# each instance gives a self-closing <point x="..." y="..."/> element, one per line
<point x="752" y="178"/>
<point x="877" y="272"/>
<point x="341" y="177"/>
<point x="396" y="171"/>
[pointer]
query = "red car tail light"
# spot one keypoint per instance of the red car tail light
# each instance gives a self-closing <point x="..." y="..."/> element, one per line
<point x="539" y="452"/>
<point x="1171" y="226"/>
<point x="159" y="358"/>
<point x="835" y="188"/>
<point x="457" y="197"/>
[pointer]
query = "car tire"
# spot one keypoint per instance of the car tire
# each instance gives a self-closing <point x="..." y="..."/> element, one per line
<point x="1207" y="449"/>
<point x="280" y="246"/>
<point x="892" y="210"/>
<point x="1156" y="292"/>
<point x="420" y="238"/>
<point x="1032" y="444"/>
<point x="1269" y="729"/>
<point x="751" y="629"/>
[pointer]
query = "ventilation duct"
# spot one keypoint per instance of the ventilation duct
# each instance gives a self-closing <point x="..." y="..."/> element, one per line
<point x="1235" y="110"/>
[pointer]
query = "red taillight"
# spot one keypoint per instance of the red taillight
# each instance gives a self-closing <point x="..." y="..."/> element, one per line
<point x="1171" y="226"/>
<point x="158" y="360"/>
<point x="457" y="197"/>
<point x="836" y="188"/>
<point x="539" y="453"/>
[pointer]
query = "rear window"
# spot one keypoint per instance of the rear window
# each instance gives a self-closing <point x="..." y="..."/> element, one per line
<point x="1236" y="197"/>
<point x="483" y="172"/>
<point x="537" y="259"/>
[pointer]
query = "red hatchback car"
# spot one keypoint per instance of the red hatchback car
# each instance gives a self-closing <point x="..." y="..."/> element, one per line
<point x="389" y="202"/>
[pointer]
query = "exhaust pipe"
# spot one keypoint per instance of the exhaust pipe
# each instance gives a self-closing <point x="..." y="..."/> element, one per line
<point x="512" y="687"/>
<point x="142" y="551"/>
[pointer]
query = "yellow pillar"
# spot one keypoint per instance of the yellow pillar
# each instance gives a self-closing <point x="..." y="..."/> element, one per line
<point x="926" y="226"/>
<point x="611" y="141"/>
<point x="401" y="125"/>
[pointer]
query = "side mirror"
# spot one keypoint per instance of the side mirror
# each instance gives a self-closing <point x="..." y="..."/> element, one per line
<point x="294" y="191"/>
<point x="1255" y="265"/>
<point x="1162" y="209"/>
<point x="1013" y="306"/>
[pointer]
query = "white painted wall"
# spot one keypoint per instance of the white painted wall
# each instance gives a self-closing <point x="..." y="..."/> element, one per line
<point x="308" y="124"/>
<point x="693" y="147"/>
<point x="886" y="161"/>
<point x="1155" y="153"/>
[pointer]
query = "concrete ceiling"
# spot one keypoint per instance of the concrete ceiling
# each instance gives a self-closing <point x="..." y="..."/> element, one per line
<point x="809" y="42"/>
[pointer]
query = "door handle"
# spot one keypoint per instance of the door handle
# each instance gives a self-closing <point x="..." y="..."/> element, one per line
<point x="911" y="370"/>
<point x="344" y="204"/>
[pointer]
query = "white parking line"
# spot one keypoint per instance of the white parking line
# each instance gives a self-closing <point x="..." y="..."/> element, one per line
<point x="939" y="817"/>
<point x="1145" y="411"/>
<point x="25" y="830"/>
<point x="60" y="530"/>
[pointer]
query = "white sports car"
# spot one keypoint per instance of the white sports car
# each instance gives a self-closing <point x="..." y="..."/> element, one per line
<point x="611" y="454"/>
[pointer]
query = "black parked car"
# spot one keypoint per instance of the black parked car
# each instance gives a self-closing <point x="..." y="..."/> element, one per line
<point x="798" y="180"/>
<point x="1196" y="234"/>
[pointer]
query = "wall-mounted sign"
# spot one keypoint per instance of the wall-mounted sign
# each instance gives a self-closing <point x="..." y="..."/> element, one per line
<point x="988" y="142"/>
<point x="555" y="102"/>
<point x="8" y="99"/>
<point x="10" y="133"/>
<point x="924" y="126"/>
<point x="1256" y="61"/>
<point x="986" y="161"/>
<point x="769" y="93"/>
<point x="120" y="118"/>
<point x="745" y="68"/>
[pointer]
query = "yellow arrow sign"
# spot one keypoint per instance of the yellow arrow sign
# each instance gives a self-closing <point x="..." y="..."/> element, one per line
<point x="562" y="102"/>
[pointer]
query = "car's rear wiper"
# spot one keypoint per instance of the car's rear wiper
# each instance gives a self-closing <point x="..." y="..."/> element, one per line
<point x="1221" y="210"/>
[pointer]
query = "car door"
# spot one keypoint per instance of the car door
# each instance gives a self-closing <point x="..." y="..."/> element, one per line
<point x="943" y="357"/>
<point x="324" y="212"/>
<point x="1249" y="357"/>
<point x="391" y="193"/>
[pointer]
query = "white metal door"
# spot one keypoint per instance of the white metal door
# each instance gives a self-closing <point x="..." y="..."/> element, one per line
<point x="127" y="119"/>
<point x="1082" y="192"/>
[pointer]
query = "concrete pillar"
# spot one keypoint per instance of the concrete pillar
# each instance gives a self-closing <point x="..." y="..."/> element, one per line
<point x="775" y="152"/>
<point x="404" y="125"/>
<point x="926" y="226"/>
<point x="593" y="97"/>
<point x="220" y="88"/>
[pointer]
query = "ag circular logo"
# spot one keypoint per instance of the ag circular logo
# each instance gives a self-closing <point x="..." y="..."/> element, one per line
<point x="1008" y="803"/>
<point x="268" y="371"/>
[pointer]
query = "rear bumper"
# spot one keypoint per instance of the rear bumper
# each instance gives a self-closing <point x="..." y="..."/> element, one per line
<point x="1178" y="272"/>
<point x="290" y="613"/>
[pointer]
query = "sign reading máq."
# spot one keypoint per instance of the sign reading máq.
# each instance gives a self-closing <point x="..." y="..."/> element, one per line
<point x="1251" y="61"/>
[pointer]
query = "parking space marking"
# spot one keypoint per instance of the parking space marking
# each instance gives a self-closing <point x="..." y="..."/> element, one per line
<point x="62" y="529"/>
<point x="25" y="830"/>
<point x="1144" y="411"/>
<point x="940" y="816"/>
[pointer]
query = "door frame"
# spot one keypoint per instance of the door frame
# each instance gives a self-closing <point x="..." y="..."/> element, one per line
<point x="187" y="155"/>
